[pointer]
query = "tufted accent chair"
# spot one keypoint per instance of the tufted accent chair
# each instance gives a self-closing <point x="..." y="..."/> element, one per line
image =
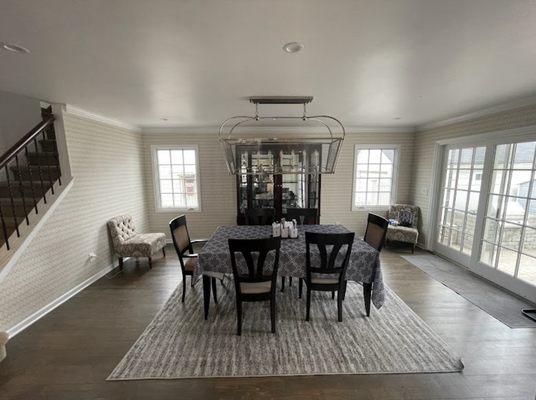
<point x="404" y="234"/>
<point x="128" y="243"/>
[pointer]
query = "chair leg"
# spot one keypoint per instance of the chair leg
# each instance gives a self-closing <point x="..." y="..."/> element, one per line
<point x="344" y="290"/>
<point x="150" y="262"/>
<point x="272" y="312"/>
<point x="308" y="305"/>
<point x="339" y="305"/>
<point x="413" y="249"/>
<point x="238" y="317"/>
<point x="282" y="283"/>
<point x="214" y="290"/>
<point x="183" y="287"/>
<point x="290" y="281"/>
<point x="300" y="287"/>
<point x="164" y="251"/>
<point x="121" y="263"/>
<point x="333" y="295"/>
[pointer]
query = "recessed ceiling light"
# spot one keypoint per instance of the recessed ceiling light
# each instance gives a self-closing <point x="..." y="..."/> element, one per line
<point x="164" y="119"/>
<point x="14" y="48"/>
<point x="292" y="47"/>
<point x="396" y="118"/>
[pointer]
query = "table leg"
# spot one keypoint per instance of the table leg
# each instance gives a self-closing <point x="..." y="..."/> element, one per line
<point x="206" y="294"/>
<point x="367" y="291"/>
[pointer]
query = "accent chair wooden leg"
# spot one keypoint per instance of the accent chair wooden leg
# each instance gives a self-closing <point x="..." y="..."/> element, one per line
<point x="367" y="291"/>
<point x="183" y="287"/>
<point x="121" y="263"/>
<point x="150" y="262"/>
<point x="300" y="287"/>
<point x="214" y="290"/>
<point x="282" y="283"/>
<point x="164" y="251"/>
<point x="308" y="304"/>
<point x="206" y="294"/>
<point x="413" y="249"/>
<point x="290" y="281"/>
<point x="333" y="295"/>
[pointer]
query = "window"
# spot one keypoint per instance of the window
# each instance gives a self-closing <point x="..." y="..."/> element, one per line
<point x="374" y="177"/>
<point x="509" y="242"/>
<point x="176" y="178"/>
<point x="461" y="193"/>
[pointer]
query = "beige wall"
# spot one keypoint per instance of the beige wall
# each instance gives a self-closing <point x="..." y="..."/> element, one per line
<point x="218" y="189"/>
<point x="106" y="163"/>
<point x="425" y="141"/>
<point x="218" y="198"/>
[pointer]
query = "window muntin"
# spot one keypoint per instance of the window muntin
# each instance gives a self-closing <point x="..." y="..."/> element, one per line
<point x="374" y="178"/>
<point x="177" y="178"/>
<point x="461" y="194"/>
<point x="509" y="240"/>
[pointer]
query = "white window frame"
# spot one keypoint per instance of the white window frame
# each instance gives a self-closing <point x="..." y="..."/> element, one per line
<point x="394" y="182"/>
<point x="156" y="178"/>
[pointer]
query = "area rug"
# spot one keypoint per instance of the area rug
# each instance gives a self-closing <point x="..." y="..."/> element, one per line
<point x="179" y="343"/>
<point x="497" y="302"/>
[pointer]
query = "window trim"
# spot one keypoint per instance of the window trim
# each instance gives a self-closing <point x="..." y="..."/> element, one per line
<point x="394" y="183"/>
<point x="156" y="178"/>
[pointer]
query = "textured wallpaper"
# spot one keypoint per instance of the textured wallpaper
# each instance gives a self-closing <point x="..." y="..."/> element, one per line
<point x="424" y="150"/>
<point x="107" y="164"/>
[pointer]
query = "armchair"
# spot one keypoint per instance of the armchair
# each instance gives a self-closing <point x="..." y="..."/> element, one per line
<point x="400" y="233"/>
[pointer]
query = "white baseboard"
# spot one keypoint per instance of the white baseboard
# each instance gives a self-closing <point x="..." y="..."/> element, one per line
<point x="25" y="323"/>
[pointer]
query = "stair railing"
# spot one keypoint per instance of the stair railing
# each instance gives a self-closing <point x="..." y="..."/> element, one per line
<point x="10" y="165"/>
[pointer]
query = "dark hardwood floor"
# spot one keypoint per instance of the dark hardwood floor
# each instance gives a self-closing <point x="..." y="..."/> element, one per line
<point x="69" y="353"/>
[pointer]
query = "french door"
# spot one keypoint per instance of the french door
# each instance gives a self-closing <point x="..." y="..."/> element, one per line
<point x="486" y="217"/>
<point x="462" y="181"/>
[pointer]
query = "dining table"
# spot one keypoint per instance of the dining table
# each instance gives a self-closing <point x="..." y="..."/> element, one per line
<point x="363" y="267"/>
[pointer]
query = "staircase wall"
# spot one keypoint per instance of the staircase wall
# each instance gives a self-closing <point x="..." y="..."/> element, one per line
<point x="106" y="163"/>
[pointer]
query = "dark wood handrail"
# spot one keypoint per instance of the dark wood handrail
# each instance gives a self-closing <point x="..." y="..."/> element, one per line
<point x="17" y="147"/>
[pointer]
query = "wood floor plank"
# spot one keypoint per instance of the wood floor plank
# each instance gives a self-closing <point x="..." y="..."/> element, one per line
<point x="69" y="353"/>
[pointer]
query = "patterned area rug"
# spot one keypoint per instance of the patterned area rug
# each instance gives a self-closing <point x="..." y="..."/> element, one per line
<point x="179" y="343"/>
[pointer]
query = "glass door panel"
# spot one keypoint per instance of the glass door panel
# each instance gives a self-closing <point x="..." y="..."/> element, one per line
<point x="509" y="239"/>
<point x="463" y="171"/>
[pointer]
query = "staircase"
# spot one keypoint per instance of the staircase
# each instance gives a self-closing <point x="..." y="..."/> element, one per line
<point x="28" y="174"/>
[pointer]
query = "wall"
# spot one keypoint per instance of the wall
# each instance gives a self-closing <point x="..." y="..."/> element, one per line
<point x="18" y="114"/>
<point x="426" y="139"/>
<point x="106" y="163"/>
<point x="218" y="196"/>
<point x="218" y="189"/>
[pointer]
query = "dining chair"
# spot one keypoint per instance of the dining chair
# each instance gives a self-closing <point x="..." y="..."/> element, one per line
<point x="376" y="231"/>
<point x="259" y="216"/>
<point x="258" y="283"/>
<point x="185" y="251"/>
<point x="303" y="216"/>
<point x="328" y="272"/>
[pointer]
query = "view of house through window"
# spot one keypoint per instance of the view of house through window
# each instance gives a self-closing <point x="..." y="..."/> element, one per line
<point x="509" y="242"/>
<point x="374" y="176"/>
<point x="177" y="179"/>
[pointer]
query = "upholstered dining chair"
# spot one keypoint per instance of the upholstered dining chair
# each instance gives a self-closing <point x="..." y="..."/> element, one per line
<point x="376" y="231"/>
<point x="128" y="243"/>
<point x="328" y="273"/>
<point x="260" y="216"/>
<point x="258" y="283"/>
<point x="185" y="251"/>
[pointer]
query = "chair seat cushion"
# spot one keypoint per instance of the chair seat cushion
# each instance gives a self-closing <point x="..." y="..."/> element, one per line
<point x="142" y="245"/>
<point x="402" y="234"/>
<point x="190" y="264"/>
<point x="324" y="281"/>
<point x="255" y="287"/>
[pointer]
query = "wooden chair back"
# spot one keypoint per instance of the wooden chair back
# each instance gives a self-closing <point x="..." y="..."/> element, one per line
<point x="260" y="216"/>
<point x="180" y="236"/>
<point x="303" y="216"/>
<point x="328" y="257"/>
<point x="376" y="231"/>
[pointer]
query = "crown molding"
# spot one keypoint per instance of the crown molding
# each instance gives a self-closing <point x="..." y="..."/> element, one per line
<point x="511" y="105"/>
<point x="213" y="130"/>
<point x="78" y="112"/>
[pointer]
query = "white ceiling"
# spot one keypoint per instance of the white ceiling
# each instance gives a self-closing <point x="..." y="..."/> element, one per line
<point x="193" y="62"/>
